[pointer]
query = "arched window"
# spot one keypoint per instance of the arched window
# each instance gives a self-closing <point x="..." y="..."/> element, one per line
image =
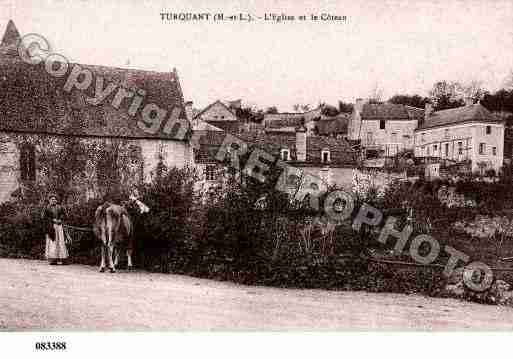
<point x="28" y="163"/>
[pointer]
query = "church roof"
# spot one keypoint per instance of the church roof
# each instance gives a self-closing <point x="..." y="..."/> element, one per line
<point x="32" y="100"/>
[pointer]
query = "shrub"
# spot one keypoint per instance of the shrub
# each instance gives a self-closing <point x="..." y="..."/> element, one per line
<point x="490" y="173"/>
<point x="254" y="234"/>
<point x="21" y="230"/>
<point x="167" y="229"/>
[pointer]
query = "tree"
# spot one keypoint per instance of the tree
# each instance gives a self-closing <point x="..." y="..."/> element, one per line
<point x="301" y="108"/>
<point x="328" y="110"/>
<point x="410" y="100"/>
<point x="501" y="102"/>
<point x="472" y="89"/>
<point x="248" y="114"/>
<point x="345" y="107"/>
<point x="444" y="95"/>
<point x="272" y="110"/>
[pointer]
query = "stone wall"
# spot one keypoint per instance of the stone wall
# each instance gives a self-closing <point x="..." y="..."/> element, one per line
<point x="84" y="168"/>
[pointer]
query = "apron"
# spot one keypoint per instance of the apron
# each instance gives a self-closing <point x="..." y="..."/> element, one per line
<point x="56" y="249"/>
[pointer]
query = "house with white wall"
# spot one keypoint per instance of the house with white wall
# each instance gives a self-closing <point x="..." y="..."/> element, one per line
<point x="469" y="134"/>
<point x="328" y="160"/>
<point x="383" y="129"/>
<point x="219" y="115"/>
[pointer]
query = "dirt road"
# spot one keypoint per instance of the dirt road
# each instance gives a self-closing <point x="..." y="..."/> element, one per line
<point x="36" y="296"/>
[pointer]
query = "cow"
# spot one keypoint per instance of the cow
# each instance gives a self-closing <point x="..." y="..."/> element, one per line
<point x="113" y="227"/>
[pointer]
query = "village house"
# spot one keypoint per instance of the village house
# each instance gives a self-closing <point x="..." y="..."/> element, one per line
<point x="284" y="122"/>
<point x="54" y="139"/>
<point x="316" y="123"/>
<point x="218" y="116"/>
<point x="330" y="161"/>
<point x="383" y="129"/>
<point x="336" y="126"/>
<point x="469" y="135"/>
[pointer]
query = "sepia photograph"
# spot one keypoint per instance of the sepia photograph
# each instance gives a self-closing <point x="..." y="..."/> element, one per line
<point x="255" y="166"/>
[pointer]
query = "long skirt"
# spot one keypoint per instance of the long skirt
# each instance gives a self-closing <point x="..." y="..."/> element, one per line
<point x="56" y="249"/>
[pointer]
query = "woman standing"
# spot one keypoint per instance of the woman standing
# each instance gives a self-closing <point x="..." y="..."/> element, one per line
<point x="53" y="215"/>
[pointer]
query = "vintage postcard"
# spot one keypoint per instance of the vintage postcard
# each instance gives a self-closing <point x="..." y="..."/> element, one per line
<point x="255" y="166"/>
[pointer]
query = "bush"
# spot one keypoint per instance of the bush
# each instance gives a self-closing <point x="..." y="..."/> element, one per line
<point x="490" y="173"/>
<point x="21" y="231"/>
<point x="254" y="234"/>
<point x="164" y="238"/>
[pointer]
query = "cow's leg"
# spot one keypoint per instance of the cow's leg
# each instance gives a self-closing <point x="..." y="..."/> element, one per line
<point x="116" y="257"/>
<point x="129" y="258"/>
<point x="102" y="264"/>
<point x="110" y="249"/>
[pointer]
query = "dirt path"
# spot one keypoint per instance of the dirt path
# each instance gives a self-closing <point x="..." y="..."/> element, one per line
<point x="36" y="296"/>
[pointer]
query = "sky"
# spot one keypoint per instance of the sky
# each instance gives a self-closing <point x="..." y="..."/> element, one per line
<point x="396" y="46"/>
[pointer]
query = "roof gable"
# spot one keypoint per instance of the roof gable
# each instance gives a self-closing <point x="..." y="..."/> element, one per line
<point x="220" y="105"/>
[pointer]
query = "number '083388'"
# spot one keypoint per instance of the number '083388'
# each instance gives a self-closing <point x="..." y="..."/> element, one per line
<point x="51" y="346"/>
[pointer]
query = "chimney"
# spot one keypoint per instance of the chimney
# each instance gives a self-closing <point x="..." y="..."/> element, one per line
<point x="301" y="143"/>
<point x="188" y="110"/>
<point x="358" y="105"/>
<point x="356" y="119"/>
<point x="428" y="110"/>
<point x="469" y="101"/>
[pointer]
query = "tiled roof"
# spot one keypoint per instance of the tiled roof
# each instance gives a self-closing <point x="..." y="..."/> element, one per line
<point x="472" y="113"/>
<point x="334" y="126"/>
<point x="415" y="113"/>
<point x="389" y="111"/>
<point x="31" y="100"/>
<point x="340" y="151"/>
<point x="286" y="122"/>
<point x="292" y="119"/>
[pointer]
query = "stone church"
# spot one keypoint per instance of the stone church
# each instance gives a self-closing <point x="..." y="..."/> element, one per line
<point x="54" y="139"/>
